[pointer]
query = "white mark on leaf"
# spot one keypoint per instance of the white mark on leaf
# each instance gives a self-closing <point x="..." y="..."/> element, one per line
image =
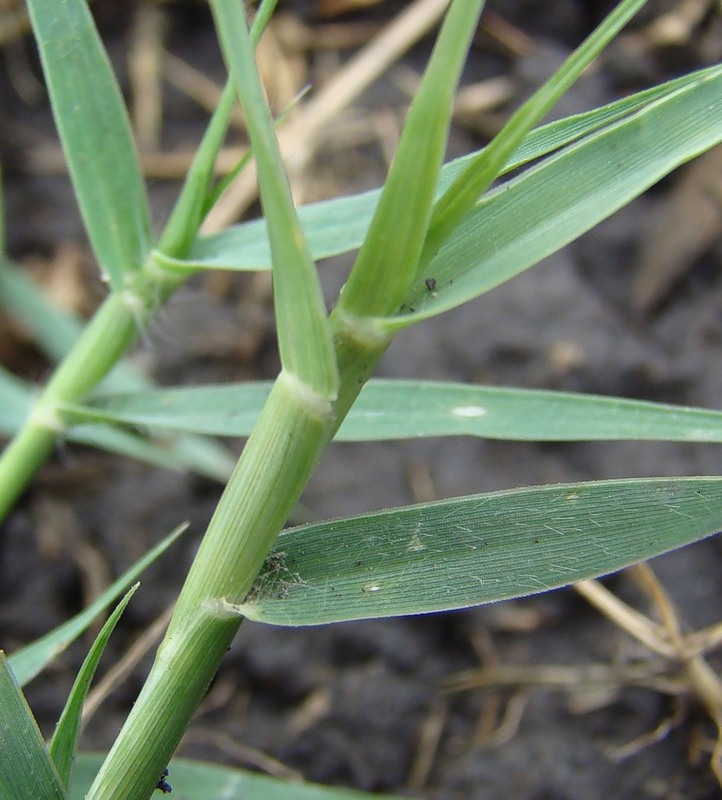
<point x="415" y="544"/>
<point x="468" y="412"/>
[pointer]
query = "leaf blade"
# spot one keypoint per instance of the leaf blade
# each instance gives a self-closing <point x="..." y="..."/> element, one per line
<point x="467" y="551"/>
<point x="197" y="194"/>
<point x="389" y="255"/>
<point x="96" y="137"/>
<point x="303" y="331"/>
<point x="337" y="226"/>
<point x="30" y="660"/>
<point x="64" y="743"/>
<point x="16" y="400"/>
<point x="26" y="769"/>
<point x="395" y="409"/>
<point x="459" y="199"/>
<point x="215" y="782"/>
<point x="564" y="196"/>
<point x="56" y="331"/>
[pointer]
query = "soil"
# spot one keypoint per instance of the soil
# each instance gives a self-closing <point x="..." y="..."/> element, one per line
<point x="364" y="705"/>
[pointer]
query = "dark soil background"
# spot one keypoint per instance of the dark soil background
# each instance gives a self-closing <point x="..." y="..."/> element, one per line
<point x="364" y="705"/>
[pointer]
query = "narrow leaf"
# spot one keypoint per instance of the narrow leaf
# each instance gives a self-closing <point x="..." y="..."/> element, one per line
<point x="16" y="400"/>
<point x="65" y="738"/>
<point x="95" y="133"/>
<point x="460" y="197"/>
<point x="53" y="330"/>
<point x="390" y="409"/>
<point x="32" y="659"/>
<point x="188" y="453"/>
<point x="26" y="770"/>
<point x="304" y="335"/>
<point x="197" y="779"/>
<point x="473" y="550"/>
<point x="338" y="226"/>
<point x="191" y="207"/>
<point x="523" y="221"/>
<point x="197" y="196"/>
<point x="387" y="261"/>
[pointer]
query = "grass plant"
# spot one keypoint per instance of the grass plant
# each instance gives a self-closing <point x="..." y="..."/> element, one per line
<point x="427" y="220"/>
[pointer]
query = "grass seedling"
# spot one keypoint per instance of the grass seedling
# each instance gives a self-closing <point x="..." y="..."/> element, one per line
<point x="432" y="238"/>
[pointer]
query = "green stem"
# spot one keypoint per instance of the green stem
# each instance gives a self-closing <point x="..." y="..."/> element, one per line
<point x="296" y="425"/>
<point x="280" y="456"/>
<point x="20" y="460"/>
<point x="113" y="329"/>
<point x="294" y="429"/>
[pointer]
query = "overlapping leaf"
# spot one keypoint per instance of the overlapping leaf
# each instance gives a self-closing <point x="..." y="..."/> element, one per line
<point x="459" y="199"/>
<point x="304" y="335"/>
<point x="389" y="255"/>
<point x="338" y="226"/>
<point x="532" y="216"/>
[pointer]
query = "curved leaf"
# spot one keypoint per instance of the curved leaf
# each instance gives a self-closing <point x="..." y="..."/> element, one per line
<point x="473" y="550"/>
<point x="65" y="737"/>
<point x="32" y="659"/>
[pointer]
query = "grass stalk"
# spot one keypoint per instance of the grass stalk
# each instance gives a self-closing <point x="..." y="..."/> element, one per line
<point x="123" y="315"/>
<point x="279" y="457"/>
<point x="113" y="329"/>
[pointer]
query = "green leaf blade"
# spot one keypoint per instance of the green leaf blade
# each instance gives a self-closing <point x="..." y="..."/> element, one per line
<point x="26" y="769"/>
<point x="389" y="255"/>
<point x="204" y="781"/>
<point x="32" y="659"/>
<point x="95" y="133"/>
<point x="56" y="332"/>
<point x="548" y="206"/>
<point x="395" y="409"/>
<point x="460" y="198"/>
<point x="473" y="550"/>
<point x="197" y="194"/>
<point x="338" y="226"/>
<point x="16" y="400"/>
<point x="64" y="743"/>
